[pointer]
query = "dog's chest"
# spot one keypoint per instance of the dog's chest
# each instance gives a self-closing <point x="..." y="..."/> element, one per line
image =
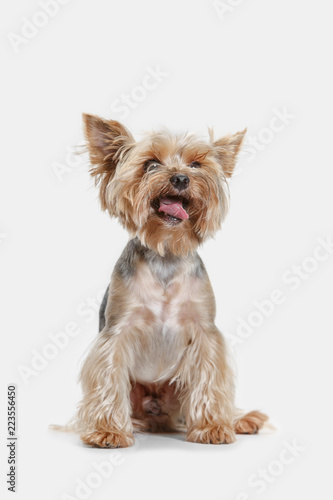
<point x="166" y="299"/>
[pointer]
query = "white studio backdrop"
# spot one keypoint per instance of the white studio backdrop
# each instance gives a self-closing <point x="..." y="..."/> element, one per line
<point x="185" y="65"/>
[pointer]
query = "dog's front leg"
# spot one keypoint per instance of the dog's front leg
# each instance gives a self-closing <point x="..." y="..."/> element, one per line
<point x="104" y="413"/>
<point x="206" y="381"/>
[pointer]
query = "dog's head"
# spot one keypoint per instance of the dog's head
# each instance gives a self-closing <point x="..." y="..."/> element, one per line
<point x="169" y="190"/>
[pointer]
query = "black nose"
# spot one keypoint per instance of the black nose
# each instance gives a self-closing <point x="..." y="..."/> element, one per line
<point x="180" y="181"/>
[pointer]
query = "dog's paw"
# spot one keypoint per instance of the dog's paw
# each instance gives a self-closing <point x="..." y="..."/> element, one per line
<point x="250" y="423"/>
<point x="111" y="439"/>
<point x="212" y="434"/>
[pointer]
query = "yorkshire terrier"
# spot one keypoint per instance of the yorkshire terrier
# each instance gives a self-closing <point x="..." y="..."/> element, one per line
<point x="159" y="362"/>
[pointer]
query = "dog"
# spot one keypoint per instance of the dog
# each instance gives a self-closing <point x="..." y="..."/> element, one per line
<point x="159" y="363"/>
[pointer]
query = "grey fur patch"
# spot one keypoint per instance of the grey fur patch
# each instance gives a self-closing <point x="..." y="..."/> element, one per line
<point x="102" y="309"/>
<point x="163" y="268"/>
<point x="166" y="268"/>
<point x="128" y="260"/>
<point x="200" y="270"/>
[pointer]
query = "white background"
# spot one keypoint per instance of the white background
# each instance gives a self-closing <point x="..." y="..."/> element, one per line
<point x="57" y="249"/>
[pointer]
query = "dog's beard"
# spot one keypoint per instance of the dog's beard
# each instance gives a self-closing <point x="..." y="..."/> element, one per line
<point x="165" y="219"/>
<point x="169" y="225"/>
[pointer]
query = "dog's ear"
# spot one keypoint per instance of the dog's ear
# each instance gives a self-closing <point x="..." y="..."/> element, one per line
<point x="108" y="141"/>
<point x="226" y="150"/>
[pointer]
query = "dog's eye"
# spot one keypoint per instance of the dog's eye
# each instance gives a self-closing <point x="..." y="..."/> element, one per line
<point x="195" y="164"/>
<point x="151" y="165"/>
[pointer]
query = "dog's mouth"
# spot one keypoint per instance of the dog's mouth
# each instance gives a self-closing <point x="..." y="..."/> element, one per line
<point x="172" y="209"/>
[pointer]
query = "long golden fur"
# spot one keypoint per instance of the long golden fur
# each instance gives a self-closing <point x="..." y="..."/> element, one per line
<point x="159" y="362"/>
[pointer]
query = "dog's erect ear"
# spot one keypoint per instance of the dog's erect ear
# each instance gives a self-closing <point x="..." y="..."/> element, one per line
<point x="106" y="139"/>
<point x="227" y="149"/>
<point x="108" y="142"/>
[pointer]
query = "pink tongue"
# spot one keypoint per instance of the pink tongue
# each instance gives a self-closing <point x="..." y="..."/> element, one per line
<point x="172" y="207"/>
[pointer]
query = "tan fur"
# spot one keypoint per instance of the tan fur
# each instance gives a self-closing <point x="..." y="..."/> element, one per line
<point x="160" y="363"/>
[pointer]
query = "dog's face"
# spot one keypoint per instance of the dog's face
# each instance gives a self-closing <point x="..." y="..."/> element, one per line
<point x="169" y="190"/>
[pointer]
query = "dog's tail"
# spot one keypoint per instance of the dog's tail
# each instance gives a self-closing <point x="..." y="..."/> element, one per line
<point x="72" y="426"/>
<point x="250" y="423"/>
